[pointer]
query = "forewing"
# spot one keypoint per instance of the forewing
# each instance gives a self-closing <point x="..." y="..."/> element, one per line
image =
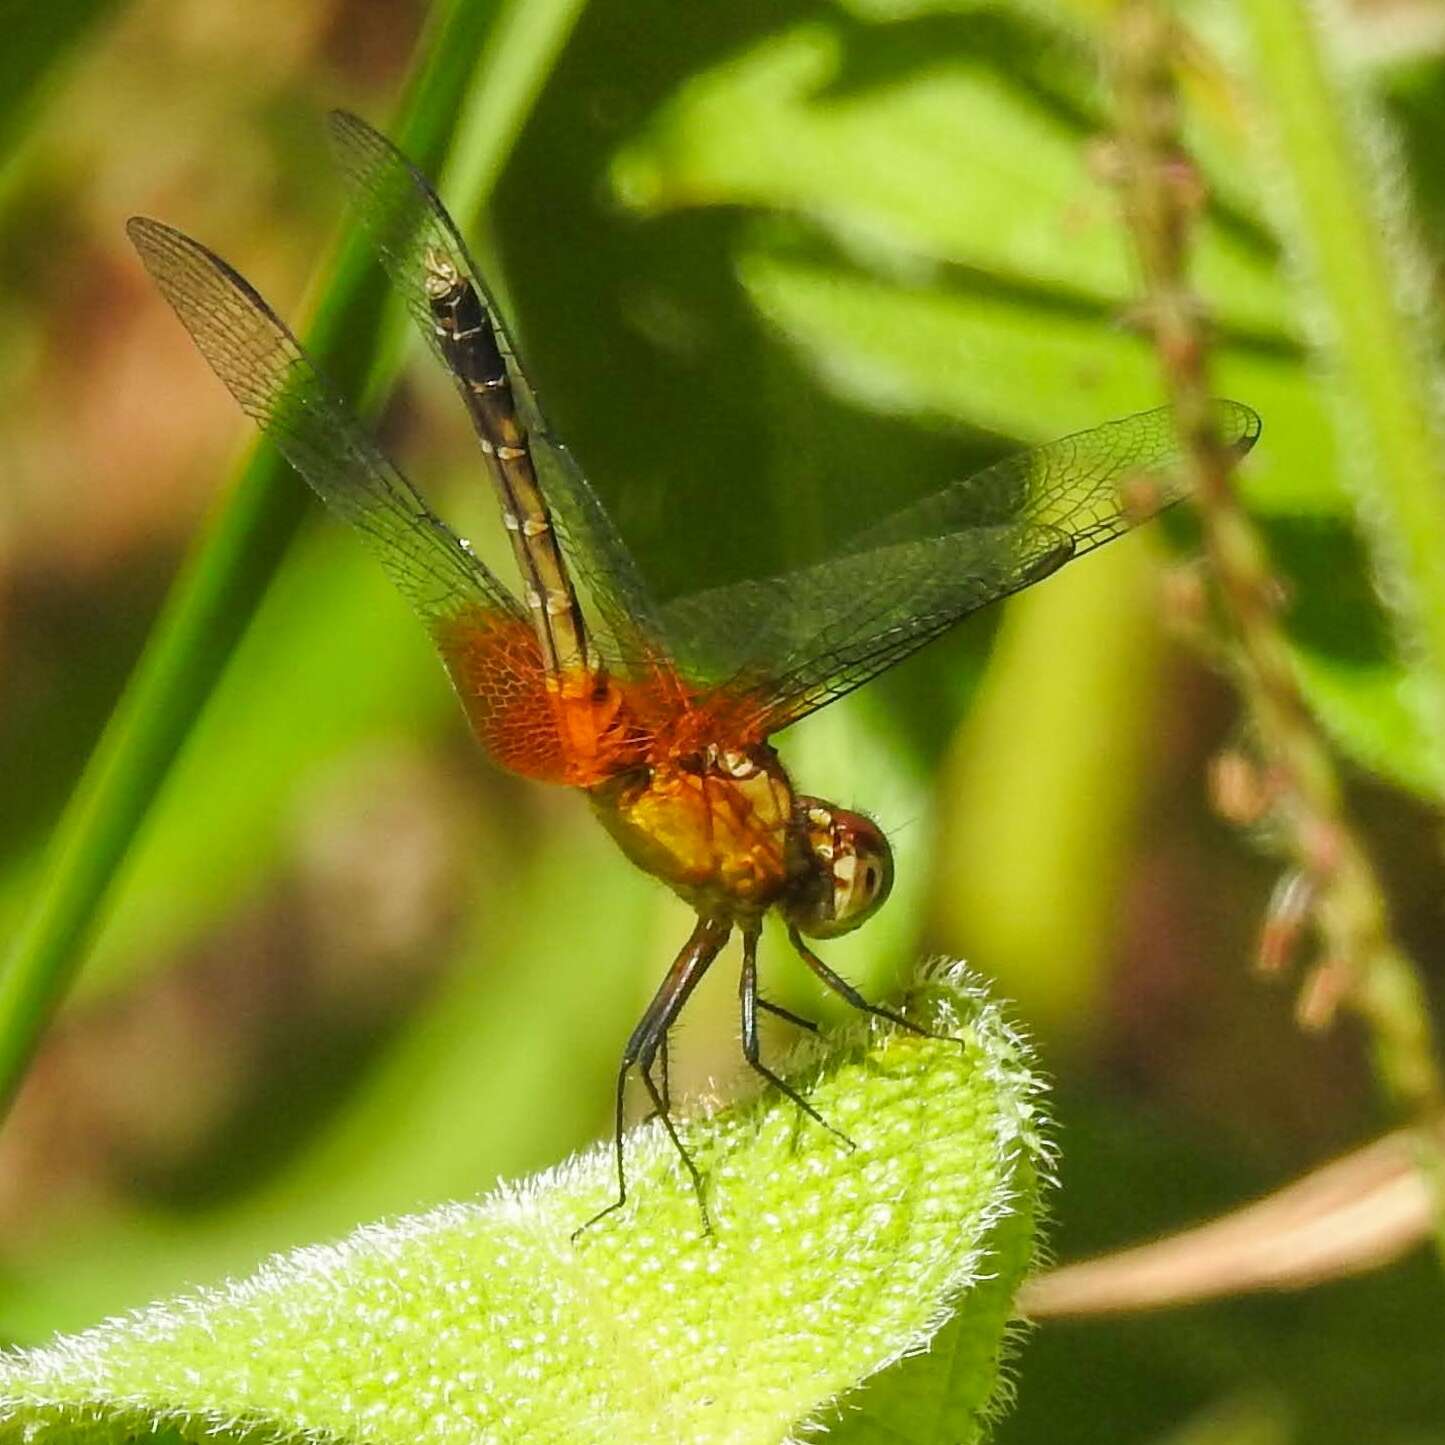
<point x="471" y="616"/>
<point x="785" y="646"/>
<point x="1094" y="485"/>
<point x="776" y="649"/>
<point x="406" y="221"/>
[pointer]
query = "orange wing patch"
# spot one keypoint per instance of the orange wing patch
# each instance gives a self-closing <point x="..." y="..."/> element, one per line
<point x="496" y="666"/>
<point x="578" y="730"/>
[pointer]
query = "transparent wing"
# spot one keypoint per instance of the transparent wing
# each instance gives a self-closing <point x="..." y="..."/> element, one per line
<point x="789" y="644"/>
<point x="1094" y="485"/>
<point x="264" y="368"/>
<point x="405" y="221"/>
<point x="480" y="628"/>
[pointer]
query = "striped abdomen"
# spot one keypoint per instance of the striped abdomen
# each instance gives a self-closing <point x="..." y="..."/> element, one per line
<point x="469" y="344"/>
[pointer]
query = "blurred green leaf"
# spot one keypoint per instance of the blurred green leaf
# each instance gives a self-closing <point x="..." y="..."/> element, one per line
<point x="1252" y="1420"/>
<point x="1023" y="363"/>
<point x="1063" y="729"/>
<point x="826" y="1266"/>
<point x="39" y="39"/>
<point x="333" y="659"/>
<point x="938" y="250"/>
<point x="896" y="146"/>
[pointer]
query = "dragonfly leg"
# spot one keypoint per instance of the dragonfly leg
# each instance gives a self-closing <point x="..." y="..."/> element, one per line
<point x="841" y="986"/>
<point x="780" y="1012"/>
<point x="649" y="1039"/>
<point x="748" y="995"/>
<point x="666" y="1075"/>
<point x="660" y="1111"/>
<point x="666" y="1086"/>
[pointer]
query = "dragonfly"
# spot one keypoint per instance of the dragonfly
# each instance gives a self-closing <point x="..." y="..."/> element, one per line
<point x="660" y="713"/>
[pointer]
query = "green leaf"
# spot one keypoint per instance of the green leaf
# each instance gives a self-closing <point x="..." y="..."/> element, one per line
<point x="332" y="661"/>
<point x="928" y="238"/>
<point x="1024" y="364"/>
<point x="960" y="159"/>
<point x="865" y="1290"/>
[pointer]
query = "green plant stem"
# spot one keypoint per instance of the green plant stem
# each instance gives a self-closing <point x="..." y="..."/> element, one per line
<point x="1342" y="211"/>
<point x="1363" y="962"/>
<point x="216" y="595"/>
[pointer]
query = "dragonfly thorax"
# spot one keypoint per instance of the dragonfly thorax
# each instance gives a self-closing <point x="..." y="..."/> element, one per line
<point x="724" y="829"/>
<point x="716" y="826"/>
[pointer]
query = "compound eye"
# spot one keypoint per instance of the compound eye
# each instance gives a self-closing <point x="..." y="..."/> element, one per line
<point x="852" y="872"/>
<point x="862" y="870"/>
<point x="868" y="882"/>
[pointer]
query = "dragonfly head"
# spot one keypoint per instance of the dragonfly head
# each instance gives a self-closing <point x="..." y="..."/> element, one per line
<point x="846" y="872"/>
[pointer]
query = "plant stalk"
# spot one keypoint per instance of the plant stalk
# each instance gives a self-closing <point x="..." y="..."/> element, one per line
<point x="1363" y="965"/>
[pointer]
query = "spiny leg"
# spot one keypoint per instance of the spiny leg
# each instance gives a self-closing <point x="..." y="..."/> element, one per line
<point x="666" y="1074"/>
<point x="650" y="1035"/>
<point x="660" y="1111"/>
<point x="640" y="1052"/>
<point x="780" y="1012"/>
<point x="748" y="994"/>
<point x="662" y="1058"/>
<point x="841" y="986"/>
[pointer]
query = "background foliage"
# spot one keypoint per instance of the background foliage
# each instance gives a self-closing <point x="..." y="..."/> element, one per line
<point x="769" y="264"/>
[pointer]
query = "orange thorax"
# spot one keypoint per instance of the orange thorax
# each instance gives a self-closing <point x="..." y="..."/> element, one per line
<point x="714" y="826"/>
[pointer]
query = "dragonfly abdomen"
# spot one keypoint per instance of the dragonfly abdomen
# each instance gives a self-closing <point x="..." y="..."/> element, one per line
<point x="469" y="345"/>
